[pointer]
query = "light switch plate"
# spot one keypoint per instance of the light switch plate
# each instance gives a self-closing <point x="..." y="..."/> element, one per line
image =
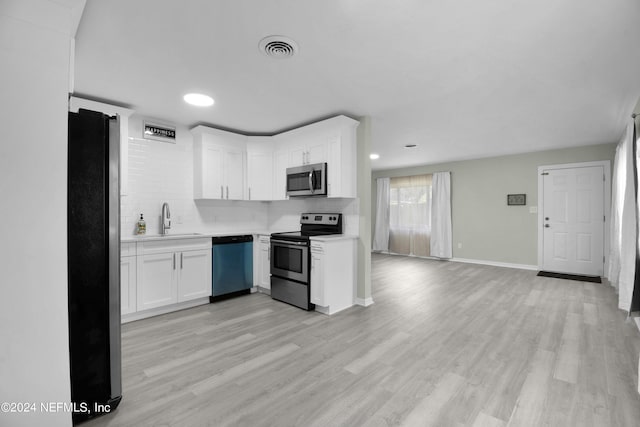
<point x="533" y="209"/>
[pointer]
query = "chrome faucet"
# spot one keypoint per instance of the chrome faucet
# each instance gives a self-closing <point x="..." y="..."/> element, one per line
<point x="166" y="218"/>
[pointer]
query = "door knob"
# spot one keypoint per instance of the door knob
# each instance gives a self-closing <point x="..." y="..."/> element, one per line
<point x="546" y="218"/>
<point x="546" y="225"/>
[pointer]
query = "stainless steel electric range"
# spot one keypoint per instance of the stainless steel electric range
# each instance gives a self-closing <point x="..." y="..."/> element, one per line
<point x="291" y="259"/>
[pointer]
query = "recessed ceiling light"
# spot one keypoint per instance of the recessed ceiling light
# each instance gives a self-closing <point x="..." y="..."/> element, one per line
<point x="198" y="99"/>
<point x="374" y="156"/>
<point x="410" y="146"/>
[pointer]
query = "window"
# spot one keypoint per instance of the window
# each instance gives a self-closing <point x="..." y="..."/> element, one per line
<point x="410" y="215"/>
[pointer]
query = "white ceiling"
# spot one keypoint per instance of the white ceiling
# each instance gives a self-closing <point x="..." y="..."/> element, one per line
<point x="462" y="79"/>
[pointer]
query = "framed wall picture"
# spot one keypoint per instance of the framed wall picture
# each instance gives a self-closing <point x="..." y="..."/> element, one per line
<point x="516" y="199"/>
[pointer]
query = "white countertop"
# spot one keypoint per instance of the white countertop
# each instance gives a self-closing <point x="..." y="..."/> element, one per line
<point x="333" y="237"/>
<point x="170" y="236"/>
<point x="174" y="236"/>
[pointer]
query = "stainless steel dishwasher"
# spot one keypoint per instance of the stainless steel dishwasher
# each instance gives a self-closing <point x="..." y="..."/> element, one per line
<point x="232" y="266"/>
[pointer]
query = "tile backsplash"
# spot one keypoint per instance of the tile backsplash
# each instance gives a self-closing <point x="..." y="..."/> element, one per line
<point x="163" y="172"/>
<point x="285" y="215"/>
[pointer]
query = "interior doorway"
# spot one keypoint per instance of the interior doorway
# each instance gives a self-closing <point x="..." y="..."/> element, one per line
<point x="573" y="221"/>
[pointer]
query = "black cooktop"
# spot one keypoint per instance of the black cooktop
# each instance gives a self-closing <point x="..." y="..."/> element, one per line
<point x="301" y="235"/>
<point x="312" y="224"/>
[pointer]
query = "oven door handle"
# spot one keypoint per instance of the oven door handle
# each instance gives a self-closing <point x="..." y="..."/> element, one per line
<point x="282" y="242"/>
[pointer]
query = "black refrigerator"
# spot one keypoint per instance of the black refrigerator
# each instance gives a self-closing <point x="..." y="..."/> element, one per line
<point x="93" y="246"/>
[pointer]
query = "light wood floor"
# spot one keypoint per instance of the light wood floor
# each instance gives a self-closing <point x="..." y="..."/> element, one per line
<point x="445" y="344"/>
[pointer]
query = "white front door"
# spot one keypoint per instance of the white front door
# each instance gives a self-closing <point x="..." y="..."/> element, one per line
<point x="573" y="220"/>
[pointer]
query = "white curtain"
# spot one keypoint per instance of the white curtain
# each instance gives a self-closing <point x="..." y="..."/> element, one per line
<point x="441" y="244"/>
<point x="622" y="257"/>
<point x="410" y="215"/>
<point x="617" y="199"/>
<point x="381" y="234"/>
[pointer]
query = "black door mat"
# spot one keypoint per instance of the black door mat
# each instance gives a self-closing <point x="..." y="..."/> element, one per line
<point x="593" y="279"/>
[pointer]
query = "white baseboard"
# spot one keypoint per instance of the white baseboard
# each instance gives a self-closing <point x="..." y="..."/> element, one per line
<point x="126" y="318"/>
<point x="262" y="290"/>
<point x="364" y="302"/>
<point x="495" y="263"/>
<point x="470" y="261"/>
<point x="323" y="310"/>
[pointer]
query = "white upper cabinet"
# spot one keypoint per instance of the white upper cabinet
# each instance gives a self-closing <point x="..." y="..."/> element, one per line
<point x="236" y="167"/>
<point x="280" y="165"/>
<point x="317" y="151"/>
<point x="212" y="181"/>
<point x="233" y="168"/>
<point x="332" y="141"/>
<point x="260" y="168"/>
<point x="308" y="153"/>
<point x="219" y="160"/>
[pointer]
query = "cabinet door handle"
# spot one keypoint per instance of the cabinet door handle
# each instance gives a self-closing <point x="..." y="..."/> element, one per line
<point x="173" y="258"/>
<point x="227" y="192"/>
<point x="249" y="193"/>
<point x="181" y="256"/>
<point x="221" y="192"/>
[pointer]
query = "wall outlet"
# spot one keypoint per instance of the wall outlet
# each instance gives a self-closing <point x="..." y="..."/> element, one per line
<point x="459" y="245"/>
<point x="533" y="209"/>
<point x="179" y="219"/>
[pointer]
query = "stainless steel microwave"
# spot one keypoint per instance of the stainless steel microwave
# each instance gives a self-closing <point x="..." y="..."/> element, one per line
<point x="307" y="180"/>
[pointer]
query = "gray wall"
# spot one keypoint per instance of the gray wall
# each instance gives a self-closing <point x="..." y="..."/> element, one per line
<point x="364" y="200"/>
<point x="34" y="349"/>
<point x="487" y="228"/>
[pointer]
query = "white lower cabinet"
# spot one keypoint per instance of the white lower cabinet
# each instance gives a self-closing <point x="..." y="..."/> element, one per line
<point x="264" y="262"/>
<point x="164" y="273"/>
<point x="317" y="275"/>
<point x="333" y="278"/>
<point x="194" y="275"/>
<point x="127" y="284"/>
<point x="157" y="280"/>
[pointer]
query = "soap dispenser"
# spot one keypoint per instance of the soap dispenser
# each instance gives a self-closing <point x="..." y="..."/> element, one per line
<point x="142" y="226"/>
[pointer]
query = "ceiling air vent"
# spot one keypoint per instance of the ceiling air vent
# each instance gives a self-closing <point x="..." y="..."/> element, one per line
<point x="278" y="47"/>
